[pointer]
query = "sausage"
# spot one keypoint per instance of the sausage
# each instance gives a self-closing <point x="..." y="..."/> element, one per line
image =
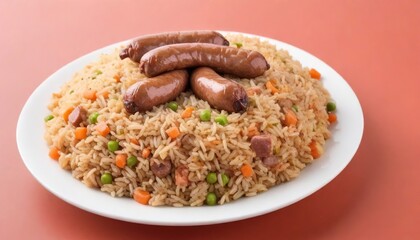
<point x="261" y="144"/>
<point x="138" y="47"/>
<point x="77" y="116"/>
<point x="240" y="62"/>
<point x="161" y="169"/>
<point x="149" y="92"/>
<point x="219" y="92"/>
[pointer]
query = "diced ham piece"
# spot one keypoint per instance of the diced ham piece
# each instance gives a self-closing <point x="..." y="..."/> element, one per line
<point x="78" y="115"/>
<point x="285" y="103"/>
<point x="181" y="176"/>
<point x="261" y="144"/>
<point x="270" y="161"/>
<point x="162" y="169"/>
<point x="188" y="141"/>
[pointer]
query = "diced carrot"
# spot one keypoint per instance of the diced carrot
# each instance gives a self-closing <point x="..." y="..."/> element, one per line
<point x="80" y="133"/>
<point x="252" y="131"/>
<point x="141" y="196"/>
<point x="187" y="112"/>
<point x="247" y="170"/>
<point x="66" y="113"/>
<point x="121" y="160"/>
<point x="332" y="117"/>
<point x="215" y="142"/>
<point x="104" y="93"/>
<point x="102" y="129"/>
<point x="90" y="95"/>
<point x="315" y="74"/>
<point x="134" y="141"/>
<point x="145" y="153"/>
<point x="290" y="118"/>
<point x="56" y="95"/>
<point x="270" y="86"/>
<point x="173" y="132"/>
<point x="316" y="149"/>
<point x="54" y="153"/>
<point x="117" y="78"/>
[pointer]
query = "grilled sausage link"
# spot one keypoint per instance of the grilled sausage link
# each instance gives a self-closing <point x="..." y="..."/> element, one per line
<point x="147" y="93"/>
<point x="240" y="62"/>
<point x="218" y="91"/>
<point x="138" y="47"/>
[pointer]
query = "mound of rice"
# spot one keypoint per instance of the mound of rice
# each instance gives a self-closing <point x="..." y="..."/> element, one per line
<point x="212" y="147"/>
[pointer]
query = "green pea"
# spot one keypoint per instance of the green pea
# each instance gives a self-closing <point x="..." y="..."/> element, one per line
<point x="48" y="118"/>
<point x="173" y="106"/>
<point x="98" y="72"/>
<point x="238" y="44"/>
<point x="211" y="178"/>
<point x="222" y="120"/>
<point x="93" y="118"/>
<point x="106" y="178"/>
<point x="113" y="146"/>
<point x="331" y="107"/>
<point x="211" y="199"/>
<point x="132" y="161"/>
<point x="225" y="179"/>
<point x="205" y="115"/>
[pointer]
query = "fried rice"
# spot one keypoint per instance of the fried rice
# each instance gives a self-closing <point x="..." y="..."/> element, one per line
<point x="203" y="146"/>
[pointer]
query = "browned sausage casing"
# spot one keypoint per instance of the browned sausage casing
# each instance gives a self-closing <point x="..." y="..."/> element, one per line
<point x="219" y="92"/>
<point x="240" y="62"/>
<point x="147" y="93"/>
<point x="138" y="47"/>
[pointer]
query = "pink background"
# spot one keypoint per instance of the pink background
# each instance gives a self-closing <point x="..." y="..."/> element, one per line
<point x="374" y="45"/>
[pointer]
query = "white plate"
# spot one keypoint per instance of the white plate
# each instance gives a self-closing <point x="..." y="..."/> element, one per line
<point x="340" y="149"/>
